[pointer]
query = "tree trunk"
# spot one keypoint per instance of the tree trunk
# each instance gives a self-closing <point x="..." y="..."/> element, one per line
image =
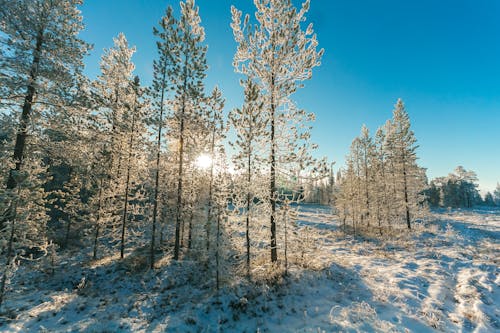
<point x="367" y="214"/>
<point x="10" y="252"/>
<point x="26" y="113"/>
<point x="406" y="197"/>
<point x="68" y="227"/>
<point x="285" y="217"/>
<point x="249" y="179"/>
<point x="157" y="175"/>
<point x="272" y="187"/>
<point x="181" y="161"/>
<point x="127" y="185"/>
<point x="210" y="185"/>
<point x="97" y="223"/>
<point x="190" y="227"/>
<point x="217" y="245"/>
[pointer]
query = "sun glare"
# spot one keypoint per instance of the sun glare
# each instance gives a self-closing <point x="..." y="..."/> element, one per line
<point x="204" y="161"/>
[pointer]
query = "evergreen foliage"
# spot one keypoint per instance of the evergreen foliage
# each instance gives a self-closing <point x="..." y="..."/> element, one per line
<point x="382" y="184"/>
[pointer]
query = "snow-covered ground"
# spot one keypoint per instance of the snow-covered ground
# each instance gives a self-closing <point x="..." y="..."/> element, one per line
<point x="443" y="276"/>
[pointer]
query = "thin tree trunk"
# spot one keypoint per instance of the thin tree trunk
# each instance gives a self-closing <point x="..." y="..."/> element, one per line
<point x="366" y="189"/>
<point x="249" y="198"/>
<point x="182" y="233"/>
<point x="384" y="198"/>
<point x="98" y="222"/>
<point x="286" y="238"/>
<point x="157" y="175"/>
<point x="127" y="185"/>
<point x="210" y="185"/>
<point x="26" y="113"/>
<point x="181" y="161"/>
<point x="406" y="197"/>
<point x="217" y="264"/>
<point x="10" y="251"/>
<point x="190" y="227"/>
<point x="66" y="237"/>
<point x="272" y="187"/>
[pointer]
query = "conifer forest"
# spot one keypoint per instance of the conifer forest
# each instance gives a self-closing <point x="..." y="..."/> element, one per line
<point x="145" y="204"/>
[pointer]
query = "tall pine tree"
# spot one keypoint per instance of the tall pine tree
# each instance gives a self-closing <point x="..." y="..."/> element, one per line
<point x="279" y="54"/>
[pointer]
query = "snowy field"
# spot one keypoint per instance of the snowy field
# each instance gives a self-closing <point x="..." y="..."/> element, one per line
<point x="443" y="277"/>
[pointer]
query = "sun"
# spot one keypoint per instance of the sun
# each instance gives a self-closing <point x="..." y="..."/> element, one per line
<point x="204" y="161"/>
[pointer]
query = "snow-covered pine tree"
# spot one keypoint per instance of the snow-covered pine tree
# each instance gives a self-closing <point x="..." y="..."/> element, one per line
<point x="24" y="227"/>
<point x="70" y="204"/>
<point x="367" y="148"/>
<point x="488" y="199"/>
<point x="41" y="55"/>
<point x="279" y="55"/>
<point x="135" y="163"/>
<point x="357" y="190"/>
<point x="496" y="195"/>
<point x="160" y="87"/>
<point x="214" y="107"/>
<point x="380" y="175"/>
<point x="468" y="186"/>
<point x="342" y="197"/>
<point x="119" y="119"/>
<point x="250" y="126"/>
<point x="221" y="194"/>
<point x="393" y="203"/>
<point x="67" y="153"/>
<point x="185" y="71"/>
<point x="459" y="188"/>
<point x="433" y="195"/>
<point x="410" y="178"/>
<point x="348" y="204"/>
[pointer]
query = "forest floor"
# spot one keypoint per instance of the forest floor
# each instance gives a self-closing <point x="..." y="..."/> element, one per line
<point x="443" y="276"/>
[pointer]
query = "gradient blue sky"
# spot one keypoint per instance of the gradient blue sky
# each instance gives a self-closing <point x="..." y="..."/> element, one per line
<point x="441" y="57"/>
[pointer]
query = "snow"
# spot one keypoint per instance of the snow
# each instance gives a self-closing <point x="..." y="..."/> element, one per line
<point x="443" y="276"/>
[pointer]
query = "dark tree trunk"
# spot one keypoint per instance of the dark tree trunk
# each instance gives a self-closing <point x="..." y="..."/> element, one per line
<point x="217" y="263"/>
<point x="22" y="132"/>
<point x="157" y="174"/>
<point x="249" y="198"/>
<point x="285" y="218"/>
<point x="181" y="161"/>
<point x="68" y="228"/>
<point x="210" y="190"/>
<point x="10" y="252"/>
<point x="98" y="222"/>
<point x="367" y="202"/>
<point x="406" y="197"/>
<point x="272" y="187"/>
<point x="127" y="185"/>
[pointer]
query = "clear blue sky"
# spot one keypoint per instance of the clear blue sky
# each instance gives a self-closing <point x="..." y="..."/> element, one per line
<point x="441" y="57"/>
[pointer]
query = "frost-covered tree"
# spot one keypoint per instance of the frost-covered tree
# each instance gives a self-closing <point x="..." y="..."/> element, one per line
<point x="186" y="71"/>
<point x="433" y="195"/>
<point x="382" y="181"/>
<point x="496" y="195"/>
<point x="250" y="126"/>
<point x="120" y="126"/>
<point x="214" y="109"/>
<point x="488" y="199"/>
<point x="220" y="214"/>
<point x="458" y="189"/>
<point x="24" y="227"/>
<point x="134" y="164"/>
<point x="409" y="177"/>
<point x="367" y="170"/>
<point x="40" y="58"/>
<point x="279" y="55"/>
<point x="162" y="67"/>
<point x="69" y="202"/>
